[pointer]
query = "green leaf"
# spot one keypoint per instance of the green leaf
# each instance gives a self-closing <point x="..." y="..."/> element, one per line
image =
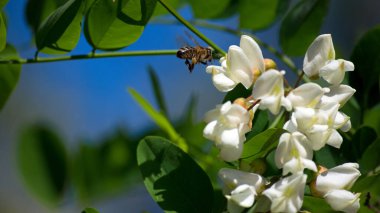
<point x="329" y="157"/>
<point x="238" y="92"/>
<point x="353" y="109"/>
<point x="220" y="201"/>
<point x="260" y="145"/>
<point x="371" y="158"/>
<point x="113" y="25"/>
<point x="368" y="184"/>
<point x="60" y="32"/>
<point x="260" y="14"/>
<point x="315" y="204"/>
<point x="86" y="171"/>
<point x="42" y="160"/>
<point x="9" y="74"/>
<point x="38" y="10"/>
<point x="259" y="124"/>
<point x="362" y="139"/>
<point x="158" y="118"/>
<point x="160" y="10"/>
<point x="3" y="3"/>
<point x="157" y="90"/>
<point x="369" y="187"/>
<point x="208" y="9"/>
<point x="3" y="33"/>
<point x="90" y="210"/>
<point x="372" y="118"/>
<point x="172" y="178"/>
<point x="105" y="167"/>
<point x="367" y="69"/>
<point x="353" y="149"/>
<point x="231" y="9"/>
<point x="302" y="25"/>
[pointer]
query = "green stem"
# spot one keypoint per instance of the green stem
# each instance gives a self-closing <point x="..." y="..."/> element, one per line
<point x="89" y="56"/>
<point x="277" y="119"/>
<point x="191" y="27"/>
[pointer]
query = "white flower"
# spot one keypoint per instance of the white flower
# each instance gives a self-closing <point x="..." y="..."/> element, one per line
<point x="306" y="95"/>
<point x="337" y="94"/>
<point x="320" y="61"/>
<point x="227" y="125"/>
<point x="333" y="72"/>
<point x="240" y="188"/>
<point x="269" y="88"/>
<point x="287" y="194"/>
<point x="339" y="177"/>
<point x="317" y="125"/>
<point x="318" y="54"/>
<point x="342" y="200"/>
<point x="241" y="65"/>
<point x="293" y="154"/>
<point x="342" y="122"/>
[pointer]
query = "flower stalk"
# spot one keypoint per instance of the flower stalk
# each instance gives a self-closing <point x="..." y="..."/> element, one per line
<point x="191" y="27"/>
<point x="90" y="56"/>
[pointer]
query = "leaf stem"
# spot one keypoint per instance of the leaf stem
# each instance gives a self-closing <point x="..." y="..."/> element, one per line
<point x="91" y="55"/>
<point x="191" y="27"/>
<point x="277" y="119"/>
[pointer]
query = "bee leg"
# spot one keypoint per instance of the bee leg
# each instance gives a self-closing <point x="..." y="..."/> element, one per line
<point x="194" y="60"/>
<point x="187" y="62"/>
<point x="202" y="62"/>
<point x="191" y="67"/>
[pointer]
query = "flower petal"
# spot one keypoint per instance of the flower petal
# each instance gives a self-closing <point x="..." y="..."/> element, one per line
<point x="306" y="95"/>
<point x="208" y="131"/>
<point x="253" y="52"/>
<point x="222" y="82"/>
<point x="342" y="200"/>
<point x="318" y="53"/>
<point x="234" y="178"/>
<point x="293" y="153"/>
<point x="333" y="72"/>
<point x="270" y="89"/>
<point x="338" y="94"/>
<point x="339" y="177"/>
<point x="243" y="195"/>
<point x="286" y="195"/>
<point x="335" y="139"/>
<point x="239" y="66"/>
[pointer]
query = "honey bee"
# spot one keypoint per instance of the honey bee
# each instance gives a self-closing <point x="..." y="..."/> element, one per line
<point x="195" y="55"/>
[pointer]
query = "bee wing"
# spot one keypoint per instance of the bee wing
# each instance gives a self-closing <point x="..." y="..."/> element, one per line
<point x="181" y="42"/>
<point x="191" y="38"/>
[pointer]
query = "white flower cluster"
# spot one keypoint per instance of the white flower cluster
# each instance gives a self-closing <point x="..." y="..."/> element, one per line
<point x="314" y="121"/>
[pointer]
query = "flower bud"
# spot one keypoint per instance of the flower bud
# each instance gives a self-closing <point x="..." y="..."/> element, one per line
<point x="313" y="188"/>
<point x="256" y="74"/>
<point x="244" y="166"/>
<point x="342" y="200"/>
<point x="339" y="177"/>
<point x="242" y="102"/>
<point x="269" y="64"/>
<point x="258" y="166"/>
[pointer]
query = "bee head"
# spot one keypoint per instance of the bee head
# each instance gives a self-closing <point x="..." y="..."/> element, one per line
<point x="180" y="53"/>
